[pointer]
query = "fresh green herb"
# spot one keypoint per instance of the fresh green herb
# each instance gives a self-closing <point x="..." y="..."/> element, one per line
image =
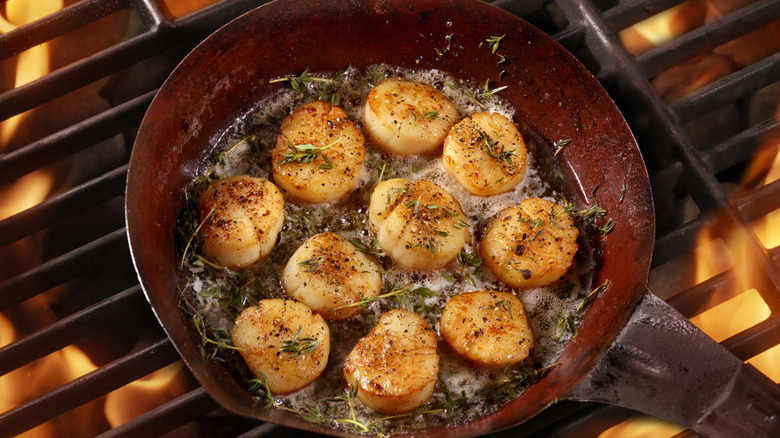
<point x="469" y="261"/>
<point x="494" y="42"/>
<point x="506" y="305"/>
<point x="591" y="296"/>
<point x="311" y="264"/>
<point x="414" y="204"/>
<point x="459" y="224"/>
<point x="193" y="235"/>
<point x="298" y="83"/>
<point x="535" y="223"/>
<point x="297" y="346"/>
<point x="390" y="291"/>
<point x="567" y="324"/>
<point x="259" y="386"/>
<point x="395" y="192"/>
<point x="446" y="49"/>
<point x="490" y="148"/>
<point x="622" y="191"/>
<point x="442" y="233"/>
<point x="607" y="227"/>
<point x="452" y="404"/>
<point x="431" y="246"/>
<point x="559" y="145"/>
<point x="370" y="249"/>
<point x="433" y="115"/>
<point x="382" y="173"/>
<point x="306" y="153"/>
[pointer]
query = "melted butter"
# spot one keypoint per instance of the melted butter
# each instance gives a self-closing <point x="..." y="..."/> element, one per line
<point x="347" y="217"/>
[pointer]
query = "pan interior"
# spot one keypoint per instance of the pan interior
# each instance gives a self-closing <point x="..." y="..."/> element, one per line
<point x="555" y="97"/>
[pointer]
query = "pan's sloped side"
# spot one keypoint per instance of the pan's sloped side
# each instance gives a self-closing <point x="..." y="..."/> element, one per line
<point x="555" y="96"/>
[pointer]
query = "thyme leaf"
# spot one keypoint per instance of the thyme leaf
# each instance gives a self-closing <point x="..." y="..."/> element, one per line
<point x="311" y="264"/>
<point x="306" y="153"/>
<point x="259" y="386"/>
<point x="298" y="83"/>
<point x="433" y="115"/>
<point x="559" y="145"/>
<point x="489" y="147"/>
<point x="370" y="249"/>
<point x="494" y="42"/>
<point x="297" y="346"/>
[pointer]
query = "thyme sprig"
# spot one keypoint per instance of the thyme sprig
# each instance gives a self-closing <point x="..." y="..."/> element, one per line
<point x="559" y="145"/>
<point x="307" y="153"/>
<point x="567" y="324"/>
<point x="311" y="264"/>
<point x="469" y="262"/>
<point x="259" y="386"/>
<point x="371" y="249"/>
<point x="433" y="115"/>
<point x="194" y="235"/>
<point x="298" y="83"/>
<point x="390" y="291"/>
<point x="489" y="147"/>
<point x="297" y="345"/>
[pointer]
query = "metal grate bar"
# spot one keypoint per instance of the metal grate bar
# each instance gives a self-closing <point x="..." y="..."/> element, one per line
<point x="56" y="24"/>
<point x="738" y="148"/>
<point x="88" y="387"/>
<point x="185" y="32"/>
<point x="755" y="340"/>
<point x="64" y="205"/>
<point x="709" y="36"/>
<point x="633" y="11"/>
<point x="740" y="84"/>
<point x="75" y="138"/>
<point x="67" y="330"/>
<point x="166" y="417"/>
<point x="760" y="202"/>
<point x="57" y="271"/>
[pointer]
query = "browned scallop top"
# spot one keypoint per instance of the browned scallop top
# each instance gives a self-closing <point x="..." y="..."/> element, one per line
<point x="326" y="127"/>
<point x="251" y="196"/>
<point x="509" y="152"/>
<point x="330" y="261"/>
<point x="426" y="206"/>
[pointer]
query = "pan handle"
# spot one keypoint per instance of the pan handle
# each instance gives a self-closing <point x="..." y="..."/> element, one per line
<point x="662" y="365"/>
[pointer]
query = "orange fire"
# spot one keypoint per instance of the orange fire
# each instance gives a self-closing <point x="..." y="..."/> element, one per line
<point x="747" y="308"/>
<point x="60" y="367"/>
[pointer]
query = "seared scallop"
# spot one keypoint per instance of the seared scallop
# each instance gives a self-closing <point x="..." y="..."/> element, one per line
<point x="486" y="154"/>
<point x="319" y="153"/>
<point x="327" y="273"/>
<point x="283" y="341"/>
<point x="487" y="328"/>
<point x="419" y="224"/>
<point x="242" y="217"/>
<point x="531" y="244"/>
<point x="394" y="367"/>
<point x="407" y="117"/>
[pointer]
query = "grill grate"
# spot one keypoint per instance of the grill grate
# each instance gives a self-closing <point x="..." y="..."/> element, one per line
<point x="99" y="269"/>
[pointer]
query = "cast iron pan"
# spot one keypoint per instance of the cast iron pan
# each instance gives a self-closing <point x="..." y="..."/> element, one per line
<point x="631" y="348"/>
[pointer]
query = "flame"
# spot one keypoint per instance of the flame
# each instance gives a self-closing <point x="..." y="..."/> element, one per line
<point x="747" y="308"/>
<point x="39" y="377"/>
<point x="145" y="394"/>
<point x="642" y="426"/>
<point x="25" y="192"/>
